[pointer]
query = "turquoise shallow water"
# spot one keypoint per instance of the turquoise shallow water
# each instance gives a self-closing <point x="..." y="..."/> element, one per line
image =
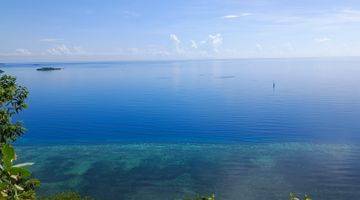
<point x="172" y="171"/>
<point x="165" y="130"/>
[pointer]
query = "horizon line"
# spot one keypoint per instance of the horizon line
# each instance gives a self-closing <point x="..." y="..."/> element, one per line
<point x="172" y="60"/>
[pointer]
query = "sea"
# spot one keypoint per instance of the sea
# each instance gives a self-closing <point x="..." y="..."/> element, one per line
<point x="168" y="130"/>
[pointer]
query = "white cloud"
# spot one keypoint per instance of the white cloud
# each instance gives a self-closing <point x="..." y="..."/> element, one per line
<point x="259" y="47"/>
<point x="207" y="47"/>
<point x="193" y="44"/>
<point x="65" y="50"/>
<point x="322" y="40"/>
<point x="215" y="41"/>
<point x="233" y="16"/>
<point x="245" y="14"/>
<point x="230" y="16"/>
<point x="18" y="52"/>
<point x="176" y="41"/>
<point x="22" y="52"/>
<point x="349" y="15"/>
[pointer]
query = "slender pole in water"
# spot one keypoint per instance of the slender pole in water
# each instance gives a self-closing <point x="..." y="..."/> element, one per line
<point x="273" y="84"/>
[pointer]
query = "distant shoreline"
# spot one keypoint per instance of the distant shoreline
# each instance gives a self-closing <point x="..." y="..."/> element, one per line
<point x="81" y="61"/>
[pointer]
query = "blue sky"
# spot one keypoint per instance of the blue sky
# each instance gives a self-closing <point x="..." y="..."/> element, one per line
<point x="177" y="29"/>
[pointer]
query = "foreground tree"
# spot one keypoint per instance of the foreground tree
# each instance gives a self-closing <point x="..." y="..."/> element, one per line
<point x="12" y="101"/>
<point x="15" y="180"/>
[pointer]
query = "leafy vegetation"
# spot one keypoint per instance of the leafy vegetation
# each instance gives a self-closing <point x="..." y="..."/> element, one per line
<point x="15" y="180"/>
<point x="12" y="101"/>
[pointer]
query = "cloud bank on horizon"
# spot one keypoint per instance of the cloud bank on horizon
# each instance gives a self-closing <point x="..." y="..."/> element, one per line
<point x="159" y="29"/>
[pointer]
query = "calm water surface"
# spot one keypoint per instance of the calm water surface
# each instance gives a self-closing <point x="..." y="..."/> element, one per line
<point x="165" y="130"/>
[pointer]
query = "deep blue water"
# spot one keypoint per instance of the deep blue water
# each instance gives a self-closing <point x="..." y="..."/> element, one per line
<point x="171" y="129"/>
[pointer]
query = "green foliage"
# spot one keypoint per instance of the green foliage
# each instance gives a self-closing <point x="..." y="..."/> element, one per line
<point x="12" y="101"/>
<point x="294" y="196"/>
<point x="15" y="180"/>
<point x="66" y="196"/>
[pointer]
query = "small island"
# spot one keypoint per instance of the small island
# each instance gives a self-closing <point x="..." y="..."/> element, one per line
<point x="1" y="71"/>
<point x="48" y="68"/>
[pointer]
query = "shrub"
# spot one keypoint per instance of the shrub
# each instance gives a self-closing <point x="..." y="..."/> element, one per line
<point x="15" y="180"/>
<point x="12" y="101"/>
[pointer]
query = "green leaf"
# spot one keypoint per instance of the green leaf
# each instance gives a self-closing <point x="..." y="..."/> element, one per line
<point x="18" y="187"/>
<point x="24" y="173"/>
<point x="3" y="186"/>
<point x="15" y="180"/>
<point x="8" y="155"/>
